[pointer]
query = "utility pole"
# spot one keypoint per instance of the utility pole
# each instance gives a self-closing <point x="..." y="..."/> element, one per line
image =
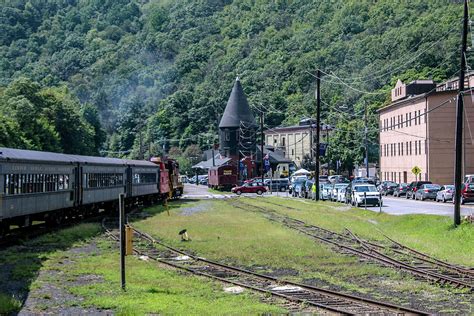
<point x="122" y="238"/>
<point x="318" y="128"/>
<point x="459" y="123"/>
<point x="366" y="143"/>
<point x="261" y="145"/>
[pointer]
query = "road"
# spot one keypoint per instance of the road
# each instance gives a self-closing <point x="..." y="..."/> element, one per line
<point x="394" y="206"/>
<point x="401" y="206"/>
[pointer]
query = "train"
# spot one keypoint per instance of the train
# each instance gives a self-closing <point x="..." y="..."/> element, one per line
<point x="222" y="177"/>
<point x="53" y="187"/>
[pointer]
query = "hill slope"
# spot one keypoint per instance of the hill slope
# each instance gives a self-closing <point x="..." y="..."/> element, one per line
<point x="161" y="71"/>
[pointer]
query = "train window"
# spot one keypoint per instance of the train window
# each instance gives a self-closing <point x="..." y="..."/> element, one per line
<point x="34" y="183"/>
<point x="141" y="178"/>
<point x="103" y="180"/>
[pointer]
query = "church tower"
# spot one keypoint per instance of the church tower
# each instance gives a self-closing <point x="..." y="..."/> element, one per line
<point x="237" y="127"/>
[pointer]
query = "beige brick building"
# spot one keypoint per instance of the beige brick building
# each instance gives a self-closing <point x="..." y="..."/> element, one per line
<point x="418" y="129"/>
<point x="295" y="141"/>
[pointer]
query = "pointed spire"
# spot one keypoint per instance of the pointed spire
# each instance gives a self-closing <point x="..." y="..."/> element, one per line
<point x="237" y="108"/>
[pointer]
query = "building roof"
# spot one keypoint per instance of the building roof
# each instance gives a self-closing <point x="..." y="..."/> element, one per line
<point x="43" y="156"/>
<point x="413" y="98"/>
<point x="208" y="163"/>
<point x="237" y="109"/>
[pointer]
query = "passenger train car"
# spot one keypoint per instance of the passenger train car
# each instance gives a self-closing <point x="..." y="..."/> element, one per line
<point x="44" y="186"/>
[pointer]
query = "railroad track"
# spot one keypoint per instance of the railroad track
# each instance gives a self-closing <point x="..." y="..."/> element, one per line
<point x="396" y="255"/>
<point x="145" y="245"/>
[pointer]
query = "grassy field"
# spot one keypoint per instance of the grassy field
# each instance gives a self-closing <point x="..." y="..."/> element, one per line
<point x="85" y="264"/>
<point x="222" y="232"/>
<point x="431" y="234"/>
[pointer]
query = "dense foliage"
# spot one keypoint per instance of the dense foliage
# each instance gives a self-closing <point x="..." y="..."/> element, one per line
<point x="160" y="72"/>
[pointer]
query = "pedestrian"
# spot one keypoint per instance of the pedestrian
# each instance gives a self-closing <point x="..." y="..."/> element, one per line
<point x="313" y="190"/>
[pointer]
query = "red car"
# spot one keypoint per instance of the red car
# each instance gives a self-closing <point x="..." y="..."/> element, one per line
<point x="253" y="187"/>
<point x="467" y="193"/>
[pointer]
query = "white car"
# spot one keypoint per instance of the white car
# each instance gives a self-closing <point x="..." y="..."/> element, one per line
<point x="341" y="193"/>
<point x="336" y="189"/>
<point x="366" y="194"/>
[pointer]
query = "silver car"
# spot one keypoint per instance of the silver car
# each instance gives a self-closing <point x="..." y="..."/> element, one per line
<point x="445" y="193"/>
<point x="335" y="190"/>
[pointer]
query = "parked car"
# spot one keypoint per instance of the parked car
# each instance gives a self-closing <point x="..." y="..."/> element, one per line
<point x="445" y="193"/>
<point x="323" y="179"/>
<point x="469" y="178"/>
<point x="387" y="187"/>
<point x="365" y="194"/>
<point x="335" y="190"/>
<point x="277" y="184"/>
<point x="204" y="180"/>
<point x="296" y="183"/>
<point x="341" y="193"/>
<point x="325" y="191"/>
<point x="400" y="190"/>
<point x="413" y="187"/>
<point x="427" y="191"/>
<point x="467" y="193"/>
<point x="253" y="187"/>
<point x="299" y="189"/>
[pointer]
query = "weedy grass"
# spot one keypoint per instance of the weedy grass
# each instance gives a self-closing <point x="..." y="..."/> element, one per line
<point x="245" y="238"/>
<point x="431" y="234"/>
<point x="8" y="304"/>
<point x="155" y="289"/>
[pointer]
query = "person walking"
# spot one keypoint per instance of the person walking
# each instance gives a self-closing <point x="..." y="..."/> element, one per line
<point x="313" y="190"/>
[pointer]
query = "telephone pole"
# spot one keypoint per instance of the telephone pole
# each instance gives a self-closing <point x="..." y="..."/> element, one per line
<point x="366" y="143"/>
<point x="261" y="145"/>
<point x="459" y="123"/>
<point x="318" y="128"/>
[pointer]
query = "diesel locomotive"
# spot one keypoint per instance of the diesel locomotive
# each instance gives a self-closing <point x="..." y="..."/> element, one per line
<point x="52" y="187"/>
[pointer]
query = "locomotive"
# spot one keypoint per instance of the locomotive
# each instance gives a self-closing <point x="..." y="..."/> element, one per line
<point x="52" y="187"/>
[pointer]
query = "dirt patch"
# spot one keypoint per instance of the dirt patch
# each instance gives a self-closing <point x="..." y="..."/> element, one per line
<point x="202" y="207"/>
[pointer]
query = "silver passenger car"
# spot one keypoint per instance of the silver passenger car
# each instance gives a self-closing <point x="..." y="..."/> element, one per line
<point x="48" y="186"/>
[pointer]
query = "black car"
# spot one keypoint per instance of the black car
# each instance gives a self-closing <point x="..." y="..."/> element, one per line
<point x="400" y="190"/>
<point x="277" y="184"/>
<point x="387" y="187"/>
<point x="413" y="187"/>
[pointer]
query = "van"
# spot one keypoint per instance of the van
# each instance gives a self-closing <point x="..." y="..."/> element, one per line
<point x="277" y="184"/>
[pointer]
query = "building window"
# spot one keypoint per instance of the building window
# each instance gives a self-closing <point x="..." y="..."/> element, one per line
<point x="410" y="149"/>
<point x="409" y="118"/>
<point x="227" y="136"/>
<point x="406" y="121"/>
<point x="292" y="152"/>
<point x="425" y="115"/>
<point x="416" y="119"/>
<point x="416" y="147"/>
<point x="283" y="141"/>
<point x="419" y="146"/>
<point x="419" y="117"/>
<point x="407" y="149"/>
<point x="401" y="147"/>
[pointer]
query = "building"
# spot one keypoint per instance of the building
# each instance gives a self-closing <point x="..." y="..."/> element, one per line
<point x="418" y="129"/>
<point x="295" y="141"/>
<point x="237" y="127"/>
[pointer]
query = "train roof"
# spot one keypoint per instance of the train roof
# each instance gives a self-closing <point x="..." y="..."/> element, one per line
<point x="44" y="156"/>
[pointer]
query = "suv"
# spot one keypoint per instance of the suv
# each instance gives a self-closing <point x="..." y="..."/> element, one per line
<point x="413" y="187"/>
<point x="363" y="194"/>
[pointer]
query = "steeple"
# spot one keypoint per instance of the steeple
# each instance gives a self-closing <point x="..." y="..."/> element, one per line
<point x="237" y="109"/>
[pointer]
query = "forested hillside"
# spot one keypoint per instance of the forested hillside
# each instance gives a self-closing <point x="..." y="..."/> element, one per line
<point x="159" y="72"/>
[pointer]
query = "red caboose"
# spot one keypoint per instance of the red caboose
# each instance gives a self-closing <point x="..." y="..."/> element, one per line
<point x="164" y="178"/>
<point x="222" y="177"/>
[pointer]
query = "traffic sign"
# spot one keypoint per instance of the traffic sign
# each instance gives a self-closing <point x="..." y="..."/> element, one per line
<point x="416" y="170"/>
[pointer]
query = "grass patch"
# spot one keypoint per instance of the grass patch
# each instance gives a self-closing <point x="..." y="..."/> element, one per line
<point x="431" y="234"/>
<point x="245" y="238"/>
<point x="154" y="289"/>
<point x="8" y="304"/>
